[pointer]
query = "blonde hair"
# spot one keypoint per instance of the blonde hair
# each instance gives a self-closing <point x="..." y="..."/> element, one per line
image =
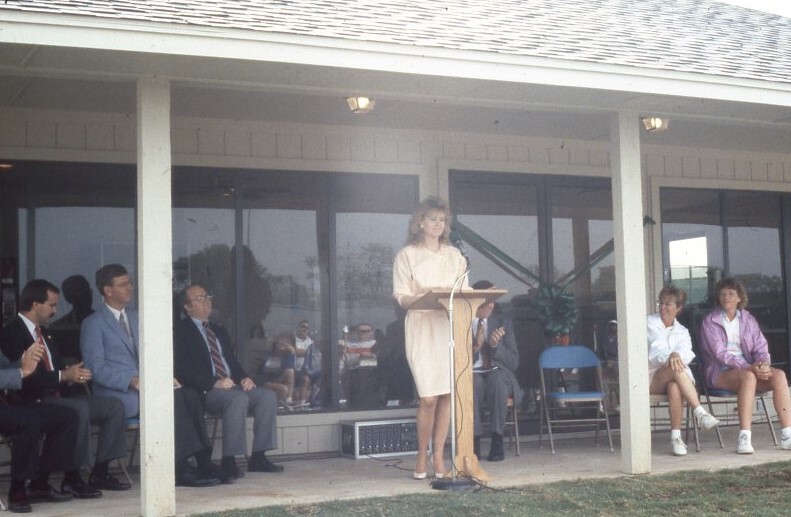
<point x="428" y="205"/>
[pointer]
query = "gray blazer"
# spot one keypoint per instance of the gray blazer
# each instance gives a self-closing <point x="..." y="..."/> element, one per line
<point x="506" y="354"/>
<point x="112" y="356"/>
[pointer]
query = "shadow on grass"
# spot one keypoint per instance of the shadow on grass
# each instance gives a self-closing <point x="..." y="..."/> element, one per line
<point x="755" y="491"/>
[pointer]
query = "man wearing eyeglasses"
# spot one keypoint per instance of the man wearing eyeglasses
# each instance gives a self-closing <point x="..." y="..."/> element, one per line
<point x="204" y="360"/>
<point x="110" y="349"/>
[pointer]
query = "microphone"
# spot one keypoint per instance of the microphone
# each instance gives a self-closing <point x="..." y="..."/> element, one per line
<point x="455" y="239"/>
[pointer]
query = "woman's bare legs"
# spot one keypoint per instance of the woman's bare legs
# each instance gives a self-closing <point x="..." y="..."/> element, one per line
<point x="743" y="383"/>
<point x="778" y="385"/>
<point x="433" y="419"/>
<point x="679" y="388"/>
<point x="425" y="427"/>
<point x="441" y="424"/>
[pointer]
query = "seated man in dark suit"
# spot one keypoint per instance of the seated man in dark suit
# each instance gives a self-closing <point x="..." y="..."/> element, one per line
<point x="203" y="360"/>
<point x="495" y="359"/>
<point x="25" y="427"/>
<point x="38" y="303"/>
<point x="110" y="348"/>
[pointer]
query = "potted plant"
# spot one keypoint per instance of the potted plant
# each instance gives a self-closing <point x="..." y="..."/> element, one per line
<point x="556" y="309"/>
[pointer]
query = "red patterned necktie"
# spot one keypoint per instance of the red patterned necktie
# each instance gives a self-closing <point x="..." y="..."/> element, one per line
<point x="214" y="350"/>
<point x="40" y="339"/>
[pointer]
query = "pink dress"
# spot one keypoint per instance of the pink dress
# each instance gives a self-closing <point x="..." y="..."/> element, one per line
<point x="416" y="271"/>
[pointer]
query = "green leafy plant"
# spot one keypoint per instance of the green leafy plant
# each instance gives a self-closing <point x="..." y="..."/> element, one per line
<point x="556" y="309"/>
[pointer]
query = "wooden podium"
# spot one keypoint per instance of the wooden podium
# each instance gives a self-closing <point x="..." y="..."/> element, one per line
<point x="465" y="304"/>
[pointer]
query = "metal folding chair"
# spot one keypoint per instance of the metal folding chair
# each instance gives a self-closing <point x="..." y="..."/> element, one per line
<point x="577" y="405"/>
<point x="512" y="423"/>
<point x="661" y="401"/>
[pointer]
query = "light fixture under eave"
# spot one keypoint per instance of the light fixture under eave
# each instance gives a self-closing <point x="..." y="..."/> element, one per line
<point x="5" y="166"/>
<point x="360" y="104"/>
<point x="653" y="124"/>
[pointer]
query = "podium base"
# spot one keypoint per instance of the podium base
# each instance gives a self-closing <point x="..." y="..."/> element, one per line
<point x="460" y="483"/>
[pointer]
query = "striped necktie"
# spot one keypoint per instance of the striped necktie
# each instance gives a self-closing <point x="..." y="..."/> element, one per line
<point x="214" y="350"/>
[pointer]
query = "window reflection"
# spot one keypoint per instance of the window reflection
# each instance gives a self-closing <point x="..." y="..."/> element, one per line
<point x="282" y="229"/>
<point x="284" y="287"/>
<point x="366" y="246"/>
<point x="709" y="234"/>
<point x="554" y="231"/>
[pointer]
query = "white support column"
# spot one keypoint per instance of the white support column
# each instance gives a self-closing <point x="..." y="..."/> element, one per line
<point x="154" y="278"/>
<point x="630" y="294"/>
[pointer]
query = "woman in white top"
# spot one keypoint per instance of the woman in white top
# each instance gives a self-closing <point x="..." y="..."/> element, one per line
<point x="428" y="262"/>
<point x="669" y="355"/>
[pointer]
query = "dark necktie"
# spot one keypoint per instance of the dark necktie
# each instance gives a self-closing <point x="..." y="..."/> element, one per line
<point x="487" y="360"/>
<point x="214" y="350"/>
<point x="124" y="324"/>
<point x="480" y="339"/>
<point x="40" y="339"/>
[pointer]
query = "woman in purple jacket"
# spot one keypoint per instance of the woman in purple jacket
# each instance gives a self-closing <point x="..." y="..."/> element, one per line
<point x="736" y="358"/>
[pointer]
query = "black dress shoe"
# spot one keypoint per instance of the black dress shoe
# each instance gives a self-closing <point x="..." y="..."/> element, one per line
<point x="18" y="503"/>
<point x="46" y="494"/>
<point x="496" y="452"/>
<point x="108" y="482"/>
<point x="192" y="479"/>
<point x="213" y="471"/>
<point x="80" y="490"/>
<point x="262" y="464"/>
<point x="228" y="465"/>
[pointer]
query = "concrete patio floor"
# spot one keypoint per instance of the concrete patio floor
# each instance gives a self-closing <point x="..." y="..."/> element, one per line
<point x="307" y="481"/>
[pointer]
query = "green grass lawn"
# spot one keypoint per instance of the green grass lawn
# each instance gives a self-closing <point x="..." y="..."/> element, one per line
<point x="754" y="491"/>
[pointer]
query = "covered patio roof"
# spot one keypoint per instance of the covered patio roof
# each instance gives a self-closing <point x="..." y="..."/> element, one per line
<point x="714" y="69"/>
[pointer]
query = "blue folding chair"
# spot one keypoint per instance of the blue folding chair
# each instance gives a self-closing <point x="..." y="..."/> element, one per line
<point x="719" y="396"/>
<point x="571" y="408"/>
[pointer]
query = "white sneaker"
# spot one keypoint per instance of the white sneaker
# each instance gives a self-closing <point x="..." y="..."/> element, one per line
<point x="679" y="447"/>
<point x="707" y="422"/>
<point x="785" y="443"/>
<point x="744" y="446"/>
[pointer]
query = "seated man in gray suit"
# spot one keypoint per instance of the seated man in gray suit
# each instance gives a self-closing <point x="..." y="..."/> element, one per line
<point x="109" y="345"/>
<point x="204" y="360"/>
<point x="26" y="425"/>
<point x="495" y="359"/>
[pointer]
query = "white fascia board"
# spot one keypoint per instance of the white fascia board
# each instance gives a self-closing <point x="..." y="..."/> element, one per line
<point x="215" y="43"/>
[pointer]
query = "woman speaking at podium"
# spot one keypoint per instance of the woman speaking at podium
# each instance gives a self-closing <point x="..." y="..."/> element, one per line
<point x="428" y="262"/>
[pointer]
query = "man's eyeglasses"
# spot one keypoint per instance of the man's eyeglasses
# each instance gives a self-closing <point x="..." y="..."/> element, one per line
<point x="202" y="298"/>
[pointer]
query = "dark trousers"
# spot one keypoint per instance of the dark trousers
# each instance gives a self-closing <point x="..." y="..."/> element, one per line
<point x="190" y="423"/>
<point x="24" y="426"/>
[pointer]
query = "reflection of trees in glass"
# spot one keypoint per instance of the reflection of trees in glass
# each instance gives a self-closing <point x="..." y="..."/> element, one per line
<point x="367" y="275"/>
<point x="214" y="268"/>
<point x="312" y="276"/>
<point x="604" y="286"/>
